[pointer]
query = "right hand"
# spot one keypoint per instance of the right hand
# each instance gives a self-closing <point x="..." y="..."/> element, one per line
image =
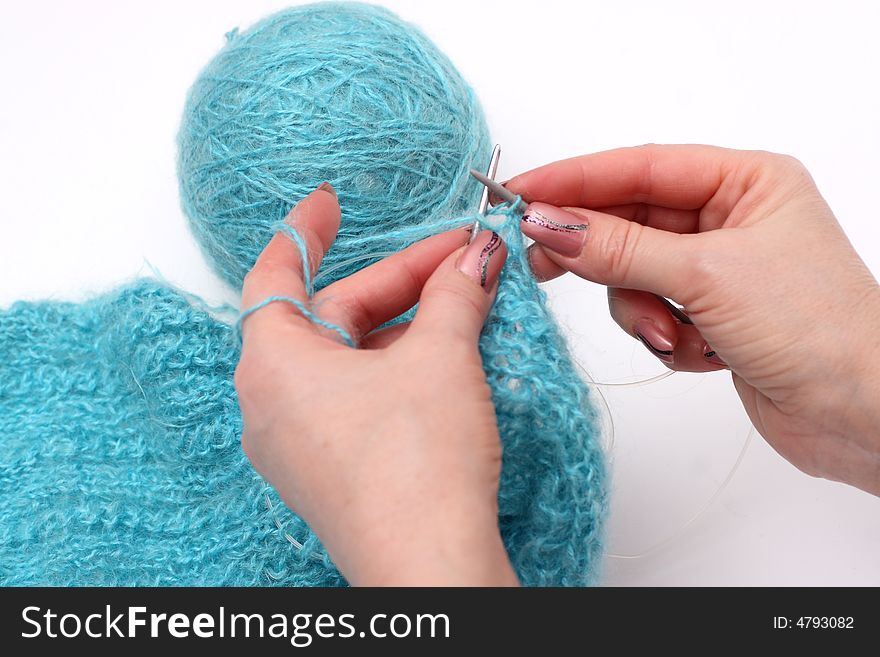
<point x="746" y="244"/>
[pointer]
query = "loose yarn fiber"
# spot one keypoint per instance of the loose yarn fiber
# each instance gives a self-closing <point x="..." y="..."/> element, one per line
<point x="122" y="462"/>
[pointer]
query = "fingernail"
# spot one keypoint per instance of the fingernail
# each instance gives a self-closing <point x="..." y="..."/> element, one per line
<point x="657" y="342"/>
<point x="554" y="228"/>
<point x="483" y="258"/>
<point x="710" y="355"/>
<point x="327" y="187"/>
<point x="529" y="252"/>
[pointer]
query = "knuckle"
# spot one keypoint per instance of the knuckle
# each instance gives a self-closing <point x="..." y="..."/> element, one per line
<point x="779" y="164"/>
<point x="267" y="271"/>
<point x="790" y="163"/>
<point x="251" y="277"/>
<point x="247" y="445"/>
<point x="618" y="249"/>
<point x="650" y="153"/>
<point x="706" y="263"/>
<point x="251" y="448"/>
<point x="241" y="378"/>
<point x="261" y="276"/>
<point x="715" y="259"/>
<point x="314" y="247"/>
<point x="252" y="375"/>
<point x="703" y="270"/>
<point x="462" y="293"/>
<point x="349" y="311"/>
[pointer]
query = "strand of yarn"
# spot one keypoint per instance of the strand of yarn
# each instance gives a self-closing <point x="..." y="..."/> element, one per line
<point x="505" y="210"/>
<point x="300" y="243"/>
<point x="291" y="232"/>
<point x="301" y="307"/>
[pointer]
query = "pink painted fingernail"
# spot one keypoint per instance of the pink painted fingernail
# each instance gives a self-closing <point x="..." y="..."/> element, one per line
<point x="483" y="258"/>
<point x="327" y="187"/>
<point x="710" y="355"/>
<point x="556" y="229"/>
<point x="657" y="342"/>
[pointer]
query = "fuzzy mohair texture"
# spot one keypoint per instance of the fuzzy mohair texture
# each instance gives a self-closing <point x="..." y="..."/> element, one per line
<point x="121" y="460"/>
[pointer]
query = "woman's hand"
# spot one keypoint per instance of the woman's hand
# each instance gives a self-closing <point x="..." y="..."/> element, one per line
<point x="391" y="451"/>
<point x="745" y="242"/>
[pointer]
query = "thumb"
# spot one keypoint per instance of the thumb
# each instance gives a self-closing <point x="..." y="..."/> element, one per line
<point x="457" y="297"/>
<point x="613" y="251"/>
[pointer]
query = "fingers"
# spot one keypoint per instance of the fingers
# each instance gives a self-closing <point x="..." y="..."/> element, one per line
<point x="655" y="216"/>
<point x="682" y="177"/>
<point x="676" y="221"/>
<point x="679" y="346"/>
<point x="381" y="292"/>
<point x="613" y="251"/>
<point x="458" y="295"/>
<point x="279" y="268"/>
<point x="542" y="266"/>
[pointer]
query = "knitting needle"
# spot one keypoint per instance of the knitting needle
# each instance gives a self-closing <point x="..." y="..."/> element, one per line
<point x="497" y="189"/>
<point x="484" y="199"/>
<point x="677" y="312"/>
<point x="506" y="195"/>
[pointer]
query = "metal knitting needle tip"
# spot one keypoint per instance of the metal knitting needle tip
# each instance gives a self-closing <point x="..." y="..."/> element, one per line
<point x="490" y="174"/>
<point x="676" y="312"/>
<point x="484" y="199"/>
<point x="499" y="191"/>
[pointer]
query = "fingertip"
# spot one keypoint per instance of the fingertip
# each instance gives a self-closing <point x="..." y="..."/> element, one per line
<point x="537" y="185"/>
<point x="279" y="269"/>
<point x="660" y="341"/>
<point x="456" y="299"/>
<point x="543" y="268"/>
<point x="627" y="307"/>
<point x="646" y="319"/>
<point x="483" y="259"/>
<point x="327" y="187"/>
<point x="691" y="351"/>
<point x="319" y="212"/>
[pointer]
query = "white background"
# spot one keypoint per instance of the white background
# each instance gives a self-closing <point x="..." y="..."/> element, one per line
<point x="91" y="98"/>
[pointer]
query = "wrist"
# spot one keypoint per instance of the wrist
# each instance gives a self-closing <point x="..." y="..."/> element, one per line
<point x="858" y="415"/>
<point x="450" y="546"/>
<point x="443" y="562"/>
<point x="866" y="425"/>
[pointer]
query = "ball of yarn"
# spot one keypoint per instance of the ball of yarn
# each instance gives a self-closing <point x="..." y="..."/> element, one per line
<point x="339" y="92"/>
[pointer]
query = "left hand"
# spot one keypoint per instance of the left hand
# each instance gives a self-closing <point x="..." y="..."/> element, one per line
<point x="390" y="451"/>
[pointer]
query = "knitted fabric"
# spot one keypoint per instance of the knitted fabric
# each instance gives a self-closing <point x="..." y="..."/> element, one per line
<point x="121" y="461"/>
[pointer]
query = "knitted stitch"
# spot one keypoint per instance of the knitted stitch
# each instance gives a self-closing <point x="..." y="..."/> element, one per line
<point x="121" y="461"/>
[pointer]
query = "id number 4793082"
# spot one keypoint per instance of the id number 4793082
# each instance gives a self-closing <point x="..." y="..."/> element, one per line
<point x="814" y="623"/>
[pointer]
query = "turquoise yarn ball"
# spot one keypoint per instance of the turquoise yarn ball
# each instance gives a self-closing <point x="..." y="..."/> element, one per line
<point x="340" y="92"/>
